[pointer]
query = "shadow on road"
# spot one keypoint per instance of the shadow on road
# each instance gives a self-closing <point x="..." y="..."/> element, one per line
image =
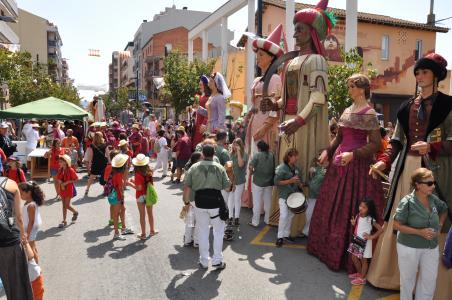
<point x="194" y="286"/>
<point x="51" y="232"/>
<point x="117" y="252"/>
<point x="87" y="199"/>
<point x="184" y="259"/>
<point x="92" y="236"/>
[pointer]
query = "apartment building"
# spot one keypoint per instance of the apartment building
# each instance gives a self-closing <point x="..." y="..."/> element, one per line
<point x="9" y="14"/>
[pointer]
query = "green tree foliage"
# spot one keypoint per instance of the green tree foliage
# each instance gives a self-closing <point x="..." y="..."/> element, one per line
<point x="338" y="98"/>
<point x="28" y="81"/>
<point x="182" y="78"/>
<point x="117" y="101"/>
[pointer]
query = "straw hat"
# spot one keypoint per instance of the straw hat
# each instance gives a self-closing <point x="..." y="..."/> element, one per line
<point x="136" y="126"/>
<point x="181" y="128"/>
<point x="67" y="159"/>
<point x="140" y="160"/>
<point x="122" y="143"/>
<point x="119" y="160"/>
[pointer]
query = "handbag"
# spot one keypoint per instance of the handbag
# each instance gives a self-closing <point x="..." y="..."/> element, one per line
<point x="74" y="191"/>
<point x="151" y="195"/>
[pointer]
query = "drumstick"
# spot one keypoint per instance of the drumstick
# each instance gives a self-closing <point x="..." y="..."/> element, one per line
<point x="383" y="175"/>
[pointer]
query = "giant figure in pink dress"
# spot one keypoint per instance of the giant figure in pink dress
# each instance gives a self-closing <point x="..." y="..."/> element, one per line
<point x="264" y="126"/>
<point x="201" y="114"/>
<point x="347" y="181"/>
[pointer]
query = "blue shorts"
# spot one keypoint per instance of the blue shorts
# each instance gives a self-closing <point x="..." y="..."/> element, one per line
<point x="53" y="172"/>
<point x="141" y="199"/>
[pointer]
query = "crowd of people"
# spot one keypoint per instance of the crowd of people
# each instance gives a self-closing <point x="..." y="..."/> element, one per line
<point x="316" y="179"/>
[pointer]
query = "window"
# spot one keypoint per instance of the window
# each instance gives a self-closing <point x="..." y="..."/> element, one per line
<point x="418" y="49"/>
<point x="385" y="47"/>
<point x="168" y="48"/>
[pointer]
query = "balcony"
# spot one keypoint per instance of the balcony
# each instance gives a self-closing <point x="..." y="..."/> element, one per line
<point x="7" y="35"/>
<point x="11" y="6"/>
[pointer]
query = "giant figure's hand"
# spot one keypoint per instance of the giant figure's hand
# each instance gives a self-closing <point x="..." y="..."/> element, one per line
<point x="291" y="126"/>
<point x="268" y="104"/>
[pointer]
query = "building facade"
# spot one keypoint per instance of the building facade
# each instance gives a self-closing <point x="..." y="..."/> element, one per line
<point x="127" y="76"/>
<point x="390" y="45"/>
<point x="42" y="40"/>
<point x="9" y="13"/>
<point x="166" y="32"/>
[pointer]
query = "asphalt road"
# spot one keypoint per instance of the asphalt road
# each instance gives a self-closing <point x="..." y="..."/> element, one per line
<point x="82" y="262"/>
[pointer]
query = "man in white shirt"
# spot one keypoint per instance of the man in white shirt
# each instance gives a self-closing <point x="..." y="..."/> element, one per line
<point x="32" y="137"/>
<point x="162" y="155"/>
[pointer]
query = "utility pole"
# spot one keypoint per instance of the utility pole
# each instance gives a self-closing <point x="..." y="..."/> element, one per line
<point x="431" y="16"/>
<point x="136" y="96"/>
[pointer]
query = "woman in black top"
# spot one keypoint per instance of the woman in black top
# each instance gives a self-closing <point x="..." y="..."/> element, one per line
<point x="99" y="160"/>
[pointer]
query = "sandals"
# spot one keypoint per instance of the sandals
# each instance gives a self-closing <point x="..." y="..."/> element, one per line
<point x="141" y="237"/>
<point x="62" y="224"/>
<point x="153" y="233"/>
<point x="74" y="216"/>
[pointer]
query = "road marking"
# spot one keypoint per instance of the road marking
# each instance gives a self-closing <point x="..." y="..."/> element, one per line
<point x="355" y="292"/>
<point x="391" y="297"/>
<point x="257" y="241"/>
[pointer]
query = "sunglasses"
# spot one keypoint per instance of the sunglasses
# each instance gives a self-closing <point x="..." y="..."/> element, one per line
<point x="428" y="183"/>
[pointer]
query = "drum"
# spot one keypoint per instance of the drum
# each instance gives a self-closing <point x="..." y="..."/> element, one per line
<point x="296" y="202"/>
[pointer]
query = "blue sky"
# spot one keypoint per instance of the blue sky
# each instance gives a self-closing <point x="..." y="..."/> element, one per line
<point x="109" y="24"/>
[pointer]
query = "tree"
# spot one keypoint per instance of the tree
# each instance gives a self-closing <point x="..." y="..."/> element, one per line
<point x="117" y="101"/>
<point x="182" y="78"/>
<point x="338" y="98"/>
<point x="28" y="81"/>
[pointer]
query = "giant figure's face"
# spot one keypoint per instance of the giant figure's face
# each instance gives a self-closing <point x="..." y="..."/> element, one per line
<point x="302" y="34"/>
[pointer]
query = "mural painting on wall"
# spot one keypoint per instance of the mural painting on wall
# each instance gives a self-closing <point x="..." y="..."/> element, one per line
<point x="332" y="48"/>
<point x="395" y="73"/>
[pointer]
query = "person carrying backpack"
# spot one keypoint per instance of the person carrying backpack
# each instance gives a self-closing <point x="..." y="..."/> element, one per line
<point x="13" y="262"/>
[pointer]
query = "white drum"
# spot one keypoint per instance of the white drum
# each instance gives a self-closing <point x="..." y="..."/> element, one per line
<point x="296" y="202"/>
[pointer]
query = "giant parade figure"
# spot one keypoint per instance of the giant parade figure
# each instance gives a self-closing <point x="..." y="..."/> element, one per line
<point x="303" y="105"/>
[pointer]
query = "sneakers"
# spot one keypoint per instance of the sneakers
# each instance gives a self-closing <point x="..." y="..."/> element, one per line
<point x="289" y="240"/>
<point x="62" y="224"/>
<point x="220" y="266"/>
<point x="236" y="222"/>
<point x="359" y="281"/>
<point x="202" y="266"/>
<point x="279" y="242"/>
<point x="188" y="244"/>
<point x="252" y="225"/>
<point x="118" y="237"/>
<point x="127" y="231"/>
<point x="75" y="216"/>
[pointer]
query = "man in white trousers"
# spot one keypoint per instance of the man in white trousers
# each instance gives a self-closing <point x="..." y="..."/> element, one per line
<point x="206" y="179"/>
<point x="162" y="155"/>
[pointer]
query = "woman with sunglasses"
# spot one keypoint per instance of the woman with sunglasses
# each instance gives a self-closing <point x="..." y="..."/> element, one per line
<point x="346" y="181"/>
<point x="419" y="218"/>
<point x="422" y="138"/>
